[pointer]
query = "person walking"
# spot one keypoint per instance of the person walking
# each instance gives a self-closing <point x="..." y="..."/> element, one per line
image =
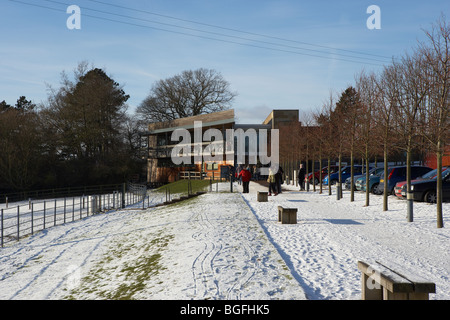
<point x="301" y="177"/>
<point x="246" y="176"/>
<point x="272" y="183"/>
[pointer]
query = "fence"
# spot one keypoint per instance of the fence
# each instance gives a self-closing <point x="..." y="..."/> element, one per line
<point x="57" y="193"/>
<point x="24" y="218"/>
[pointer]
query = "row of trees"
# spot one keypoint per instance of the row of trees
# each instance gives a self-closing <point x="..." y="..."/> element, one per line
<point x="403" y="109"/>
<point x="79" y="137"/>
<point x="85" y="135"/>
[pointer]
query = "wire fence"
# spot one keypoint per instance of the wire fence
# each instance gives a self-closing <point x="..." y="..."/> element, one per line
<point x="21" y="219"/>
<point x="24" y="218"/>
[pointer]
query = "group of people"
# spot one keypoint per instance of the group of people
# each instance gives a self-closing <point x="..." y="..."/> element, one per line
<point x="275" y="179"/>
<point x="244" y="175"/>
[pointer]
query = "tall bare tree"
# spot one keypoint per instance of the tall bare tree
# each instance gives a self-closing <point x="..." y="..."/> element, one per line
<point x="188" y="94"/>
<point x="411" y="96"/>
<point x="347" y="112"/>
<point x="436" y="128"/>
<point x="366" y="87"/>
<point x="386" y="86"/>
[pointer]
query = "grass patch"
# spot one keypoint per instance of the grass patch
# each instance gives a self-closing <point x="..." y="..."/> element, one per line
<point x="181" y="186"/>
<point x="121" y="275"/>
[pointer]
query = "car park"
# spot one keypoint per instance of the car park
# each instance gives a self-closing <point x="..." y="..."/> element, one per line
<point x="345" y="173"/>
<point x="424" y="190"/>
<point x="374" y="180"/>
<point x="398" y="173"/>
<point x="316" y="180"/>
<point x="373" y="171"/>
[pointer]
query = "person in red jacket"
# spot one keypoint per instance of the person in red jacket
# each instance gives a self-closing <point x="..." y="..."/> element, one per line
<point x="246" y="176"/>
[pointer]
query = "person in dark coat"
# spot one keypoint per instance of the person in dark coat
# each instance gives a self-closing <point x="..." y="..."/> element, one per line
<point x="301" y="177"/>
<point x="279" y="179"/>
<point x="246" y="176"/>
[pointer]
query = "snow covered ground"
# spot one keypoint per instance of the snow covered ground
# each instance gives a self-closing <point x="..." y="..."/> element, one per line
<point x="228" y="246"/>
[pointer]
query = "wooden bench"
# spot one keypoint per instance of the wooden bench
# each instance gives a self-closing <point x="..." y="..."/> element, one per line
<point x="287" y="215"/>
<point x="262" y="196"/>
<point x="379" y="282"/>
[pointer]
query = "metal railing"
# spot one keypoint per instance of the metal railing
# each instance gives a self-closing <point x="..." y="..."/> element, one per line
<point x="24" y="218"/>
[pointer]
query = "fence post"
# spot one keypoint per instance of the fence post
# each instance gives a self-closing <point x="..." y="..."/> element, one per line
<point x="1" y="226"/>
<point x="64" y="210"/>
<point x="54" y="214"/>
<point x="123" y="194"/>
<point x="18" y="223"/>
<point x="32" y="218"/>
<point x="44" y="214"/>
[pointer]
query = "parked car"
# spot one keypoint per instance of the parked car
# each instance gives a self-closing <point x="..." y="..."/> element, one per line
<point x="356" y="177"/>
<point x="374" y="179"/>
<point x="316" y="181"/>
<point x="345" y="173"/>
<point x="425" y="190"/>
<point x="401" y="186"/>
<point x="397" y="174"/>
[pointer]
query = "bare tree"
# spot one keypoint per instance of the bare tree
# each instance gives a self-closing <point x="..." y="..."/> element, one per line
<point x="366" y="87"/>
<point x="187" y="94"/>
<point x="411" y="92"/>
<point x="436" y="128"/>
<point x="324" y="120"/>
<point x="346" y="120"/>
<point x="383" y="114"/>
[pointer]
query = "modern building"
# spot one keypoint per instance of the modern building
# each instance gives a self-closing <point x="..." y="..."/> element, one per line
<point x="163" y="137"/>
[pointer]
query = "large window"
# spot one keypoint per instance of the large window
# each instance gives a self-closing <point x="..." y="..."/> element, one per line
<point x="212" y="166"/>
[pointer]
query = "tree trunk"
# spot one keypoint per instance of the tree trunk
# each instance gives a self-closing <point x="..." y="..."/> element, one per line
<point x="439" y="153"/>
<point x="385" y="195"/>
<point x="329" y="182"/>
<point x="410" y="213"/>
<point x="367" y="178"/>
<point x="340" y="176"/>
<point x="352" y="174"/>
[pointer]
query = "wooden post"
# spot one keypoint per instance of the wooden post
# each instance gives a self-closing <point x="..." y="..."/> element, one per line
<point x="289" y="216"/>
<point x="262" y="196"/>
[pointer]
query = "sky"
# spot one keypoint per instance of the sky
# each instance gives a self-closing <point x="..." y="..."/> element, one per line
<point x="287" y="54"/>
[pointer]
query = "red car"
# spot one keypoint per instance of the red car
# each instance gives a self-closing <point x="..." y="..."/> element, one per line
<point x="324" y="174"/>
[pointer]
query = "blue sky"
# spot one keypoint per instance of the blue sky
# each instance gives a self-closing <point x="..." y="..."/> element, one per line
<point x="275" y="54"/>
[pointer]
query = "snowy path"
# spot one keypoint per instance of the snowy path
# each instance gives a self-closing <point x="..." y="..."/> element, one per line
<point x="210" y="247"/>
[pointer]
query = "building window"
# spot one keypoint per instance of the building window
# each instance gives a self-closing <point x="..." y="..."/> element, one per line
<point x="212" y="166"/>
